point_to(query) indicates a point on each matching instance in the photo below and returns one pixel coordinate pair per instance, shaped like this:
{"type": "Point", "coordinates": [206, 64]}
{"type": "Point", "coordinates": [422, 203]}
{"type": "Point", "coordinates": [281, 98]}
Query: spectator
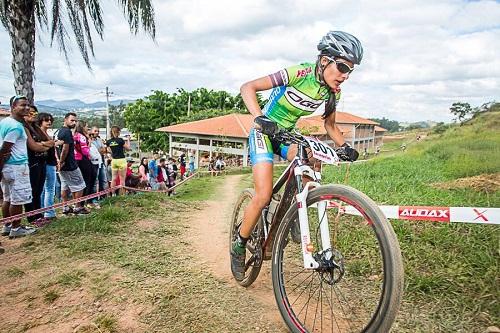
{"type": "Point", "coordinates": [220, 164]}
{"type": "Point", "coordinates": [131, 179]}
{"type": "Point", "coordinates": [162, 175]}
{"type": "Point", "coordinates": [71, 177]}
{"type": "Point", "coordinates": [211, 166]}
{"type": "Point", "coordinates": [144, 172]}
{"type": "Point", "coordinates": [171, 173]}
{"type": "Point", "coordinates": [117, 147]}
{"type": "Point", "coordinates": [108, 170]}
{"type": "Point", "coordinates": [38, 143]}
{"type": "Point", "coordinates": [82, 157]}
{"type": "Point", "coordinates": [153, 173]}
{"type": "Point", "coordinates": [96, 161]}
{"type": "Point", "coordinates": [192, 158]}
{"type": "Point", "coordinates": [45, 121]}
{"type": "Point", "coordinates": [14, 169]}
{"type": "Point", "coordinates": [182, 161]}
{"type": "Point", "coordinates": [102, 180]}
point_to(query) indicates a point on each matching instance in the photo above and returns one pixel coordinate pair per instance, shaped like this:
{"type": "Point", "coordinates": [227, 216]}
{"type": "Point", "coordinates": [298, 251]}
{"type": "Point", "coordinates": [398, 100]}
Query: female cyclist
{"type": "Point", "coordinates": [297, 91]}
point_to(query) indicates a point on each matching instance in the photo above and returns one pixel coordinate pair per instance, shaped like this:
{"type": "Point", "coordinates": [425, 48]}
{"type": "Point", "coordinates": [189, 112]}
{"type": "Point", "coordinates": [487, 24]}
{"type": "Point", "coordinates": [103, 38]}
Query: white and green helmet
{"type": "Point", "coordinates": [341, 44]}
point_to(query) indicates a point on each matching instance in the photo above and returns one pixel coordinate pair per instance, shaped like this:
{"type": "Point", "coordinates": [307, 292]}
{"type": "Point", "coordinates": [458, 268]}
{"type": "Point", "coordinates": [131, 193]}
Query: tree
{"type": "Point", "coordinates": [460, 110]}
{"type": "Point", "coordinates": [19, 18]}
{"type": "Point", "coordinates": [390, 125]}
{"type": "Point", "coordinates": [161, 109]}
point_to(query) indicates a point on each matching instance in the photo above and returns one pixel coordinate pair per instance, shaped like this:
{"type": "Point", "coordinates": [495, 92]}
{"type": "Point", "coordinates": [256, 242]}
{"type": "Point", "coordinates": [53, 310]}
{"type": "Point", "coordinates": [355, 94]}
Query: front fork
{"type": "Point", "coordinates": [305, 235]}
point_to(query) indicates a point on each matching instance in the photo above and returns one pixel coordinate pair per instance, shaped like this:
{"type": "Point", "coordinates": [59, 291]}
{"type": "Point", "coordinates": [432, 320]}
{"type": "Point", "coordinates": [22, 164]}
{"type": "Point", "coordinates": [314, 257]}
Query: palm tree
{"type": "Point", "coordinates": [19, 18]}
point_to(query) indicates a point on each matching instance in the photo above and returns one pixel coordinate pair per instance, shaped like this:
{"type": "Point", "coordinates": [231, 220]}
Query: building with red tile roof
{"type": "Point", "coordinates": [229, 134]}
{"type": "Point", "coordinates": [4, 112]}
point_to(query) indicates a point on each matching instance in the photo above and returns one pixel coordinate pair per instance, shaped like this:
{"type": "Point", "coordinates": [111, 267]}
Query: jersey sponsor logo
{"type": "Point", "coordinates": [260, 144]}
{"type": "Point", "coordinates": [302, 101]}
{"type": "Point", "coordinates": [441, 214]}
{"type": "Point", "coordinates": [276, 94]}
{"type": "Point", "coordinates": [304, 72]}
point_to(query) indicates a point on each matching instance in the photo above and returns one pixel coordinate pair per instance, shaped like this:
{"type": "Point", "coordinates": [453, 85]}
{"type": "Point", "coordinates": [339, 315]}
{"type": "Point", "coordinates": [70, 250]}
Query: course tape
{"type": "Point", "coordinates": [476, 215]}
{"type": "Point", "coordinates": [87, 197]}
{"type": "Point", "coordinates": [58, 205]}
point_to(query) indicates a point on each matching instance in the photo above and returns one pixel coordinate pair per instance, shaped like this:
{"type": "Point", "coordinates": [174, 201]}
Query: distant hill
{"type": "Point", "coordinates": [61, 107]}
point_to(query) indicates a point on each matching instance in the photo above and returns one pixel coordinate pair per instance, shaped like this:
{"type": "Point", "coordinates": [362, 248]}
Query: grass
{"type": "Point", "coordinates": [134, 253]}
{"type": "Point", "coordinates": [107, 258]}
{"type": "Point", "coordinates": [454, 267]}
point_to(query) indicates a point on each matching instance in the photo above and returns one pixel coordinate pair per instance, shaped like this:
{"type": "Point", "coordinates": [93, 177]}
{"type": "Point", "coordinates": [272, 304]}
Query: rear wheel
{"type": "Point", "coordinates": [253, 261]}
{"type": "Point", "coordinates": [358, 285]}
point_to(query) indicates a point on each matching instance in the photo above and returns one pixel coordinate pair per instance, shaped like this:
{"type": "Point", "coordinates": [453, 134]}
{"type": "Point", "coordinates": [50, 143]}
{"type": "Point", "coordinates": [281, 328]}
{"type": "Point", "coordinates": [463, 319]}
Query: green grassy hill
{"type": "Point", "coordinates": [452, 270]}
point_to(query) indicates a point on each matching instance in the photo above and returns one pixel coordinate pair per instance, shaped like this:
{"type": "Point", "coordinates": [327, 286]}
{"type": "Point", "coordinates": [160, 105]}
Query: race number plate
{"type": "Point", "coordinates": [321, 151]}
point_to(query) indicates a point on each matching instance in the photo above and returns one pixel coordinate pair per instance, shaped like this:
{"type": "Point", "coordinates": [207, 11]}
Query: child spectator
{"type": "Point", "coordinates": [131, 180]}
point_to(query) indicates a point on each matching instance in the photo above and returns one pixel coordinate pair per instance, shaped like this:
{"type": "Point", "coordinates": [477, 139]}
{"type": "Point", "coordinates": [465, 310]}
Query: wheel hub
{"type": "Point", "coordinates": [331, 266]}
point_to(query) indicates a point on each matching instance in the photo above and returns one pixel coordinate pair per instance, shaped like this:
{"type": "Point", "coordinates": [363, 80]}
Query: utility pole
{"type": "Point", "coordinates": [108, 127]}
{"type": "Point", "coordinates": [189, 104]}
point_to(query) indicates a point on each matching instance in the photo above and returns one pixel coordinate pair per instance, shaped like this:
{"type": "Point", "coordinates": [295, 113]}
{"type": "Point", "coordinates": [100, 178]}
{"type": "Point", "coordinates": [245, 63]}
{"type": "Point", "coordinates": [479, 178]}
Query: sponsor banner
{"type": "Point", "coordinates": [439, 214]}
{"type": "Point", "coordinates": [478, 215]}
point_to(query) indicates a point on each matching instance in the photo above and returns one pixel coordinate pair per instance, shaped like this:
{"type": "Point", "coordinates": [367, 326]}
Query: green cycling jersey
{"type": "Point", "coordinates": [296, 93]}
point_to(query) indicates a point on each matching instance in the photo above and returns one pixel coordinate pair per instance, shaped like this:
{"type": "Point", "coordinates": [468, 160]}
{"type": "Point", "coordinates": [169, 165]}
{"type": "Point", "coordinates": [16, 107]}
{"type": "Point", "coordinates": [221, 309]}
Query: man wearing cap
{"type": "Point", "coordinates": [14, 169]}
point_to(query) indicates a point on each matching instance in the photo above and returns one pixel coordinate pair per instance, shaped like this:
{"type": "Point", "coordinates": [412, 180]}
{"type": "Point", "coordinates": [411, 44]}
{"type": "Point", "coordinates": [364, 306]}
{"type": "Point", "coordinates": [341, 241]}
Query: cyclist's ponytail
{"type": "Point", "coordinates": [330, 106]}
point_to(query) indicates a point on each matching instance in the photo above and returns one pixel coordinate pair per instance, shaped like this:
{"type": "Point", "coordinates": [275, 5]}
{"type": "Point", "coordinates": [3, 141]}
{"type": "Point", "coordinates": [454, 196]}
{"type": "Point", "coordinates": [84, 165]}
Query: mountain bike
{"type": "Point", "coordinates": [336, 262]}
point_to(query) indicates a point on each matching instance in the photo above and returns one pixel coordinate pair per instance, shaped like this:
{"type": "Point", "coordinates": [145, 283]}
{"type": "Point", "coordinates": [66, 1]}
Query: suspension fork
{"type": "Point", "coordinates": [305, 234]}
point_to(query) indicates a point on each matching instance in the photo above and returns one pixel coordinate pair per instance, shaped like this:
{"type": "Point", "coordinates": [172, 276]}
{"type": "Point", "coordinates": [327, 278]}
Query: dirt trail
{"type": "Point", "coordinates": [210, 236]}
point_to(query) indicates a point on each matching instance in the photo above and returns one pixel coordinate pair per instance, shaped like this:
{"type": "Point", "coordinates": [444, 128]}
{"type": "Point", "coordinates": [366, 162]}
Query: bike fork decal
{"type": "Point", "coordinates": [305, 236]}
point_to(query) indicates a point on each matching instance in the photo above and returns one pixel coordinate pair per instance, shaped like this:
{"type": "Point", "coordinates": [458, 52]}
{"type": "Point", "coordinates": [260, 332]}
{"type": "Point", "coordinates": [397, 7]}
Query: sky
{"type": "Point", "coordinates": [419, 56]}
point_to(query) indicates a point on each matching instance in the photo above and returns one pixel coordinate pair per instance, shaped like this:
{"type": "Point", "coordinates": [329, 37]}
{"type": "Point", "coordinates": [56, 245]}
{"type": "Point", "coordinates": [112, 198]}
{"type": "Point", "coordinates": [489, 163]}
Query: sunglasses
{"type": "Point", "coordinates": [342, 67]}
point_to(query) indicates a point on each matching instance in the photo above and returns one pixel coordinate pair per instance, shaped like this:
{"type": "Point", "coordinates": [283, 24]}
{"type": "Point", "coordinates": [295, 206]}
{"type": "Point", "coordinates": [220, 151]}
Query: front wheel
{"type": "Point", "coordinates": [358, 284]}
{"type": "Point", "coordinates": [253, 261]}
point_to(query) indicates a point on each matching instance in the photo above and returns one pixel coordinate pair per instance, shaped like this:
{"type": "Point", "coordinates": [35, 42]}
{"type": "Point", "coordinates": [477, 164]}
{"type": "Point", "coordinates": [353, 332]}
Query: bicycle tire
{"type": "Point", "coordinates": [390, 283]}
{"type": "Point", "coordinates": [254, 242]}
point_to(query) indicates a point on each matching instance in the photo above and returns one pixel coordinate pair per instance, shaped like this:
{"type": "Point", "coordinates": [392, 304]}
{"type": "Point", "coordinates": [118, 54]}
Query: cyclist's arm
{"type": "Point", "coordinates": [249, 93]}
{"type": "Point", "coordinates": [333, 130]}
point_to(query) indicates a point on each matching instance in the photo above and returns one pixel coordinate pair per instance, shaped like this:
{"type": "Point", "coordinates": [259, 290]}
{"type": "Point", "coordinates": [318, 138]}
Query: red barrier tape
{"type": "Point", "coordinates": [58, 205]}
{"type": "Point", "coordinates": [87, 197]}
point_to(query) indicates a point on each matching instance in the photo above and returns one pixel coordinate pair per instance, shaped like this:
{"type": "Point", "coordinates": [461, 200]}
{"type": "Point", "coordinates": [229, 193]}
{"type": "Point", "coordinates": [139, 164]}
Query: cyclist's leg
{"type": "Point", "coordinates": [261, 155]}
{"type": "Point", "coordinates": [263, 183]}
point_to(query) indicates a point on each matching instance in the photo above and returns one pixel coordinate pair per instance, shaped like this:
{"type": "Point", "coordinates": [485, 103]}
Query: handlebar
{"type": "Point", "coordinates": [289, 137]}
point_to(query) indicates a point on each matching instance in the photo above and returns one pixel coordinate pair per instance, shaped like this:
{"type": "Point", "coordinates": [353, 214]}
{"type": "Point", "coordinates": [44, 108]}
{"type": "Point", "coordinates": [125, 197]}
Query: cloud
{"type": "Point", "coordinates": [420, 56]}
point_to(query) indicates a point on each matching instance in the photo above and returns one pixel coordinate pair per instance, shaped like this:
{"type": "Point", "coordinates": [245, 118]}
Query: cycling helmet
{"type": "Point", "coordinates": [343, 45]}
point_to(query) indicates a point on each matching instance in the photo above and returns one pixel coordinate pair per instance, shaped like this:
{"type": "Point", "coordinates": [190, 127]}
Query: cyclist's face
{"type": "Point", "coordinates": [332, 76]}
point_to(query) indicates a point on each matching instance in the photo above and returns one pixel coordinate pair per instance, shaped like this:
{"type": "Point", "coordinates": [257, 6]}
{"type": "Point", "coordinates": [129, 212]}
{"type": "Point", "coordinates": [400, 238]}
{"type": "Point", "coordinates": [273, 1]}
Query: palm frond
{"type": "Point", "coordinates": [95, 12]}
{"type": "Point", "coordinates": [139, 14]}
{"type": "Point", "coordinates": [78, 30]}
{"type": "Point", "coordinates": [4, 9]}
{"type": "Point", "coordinates": [41, 14]}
